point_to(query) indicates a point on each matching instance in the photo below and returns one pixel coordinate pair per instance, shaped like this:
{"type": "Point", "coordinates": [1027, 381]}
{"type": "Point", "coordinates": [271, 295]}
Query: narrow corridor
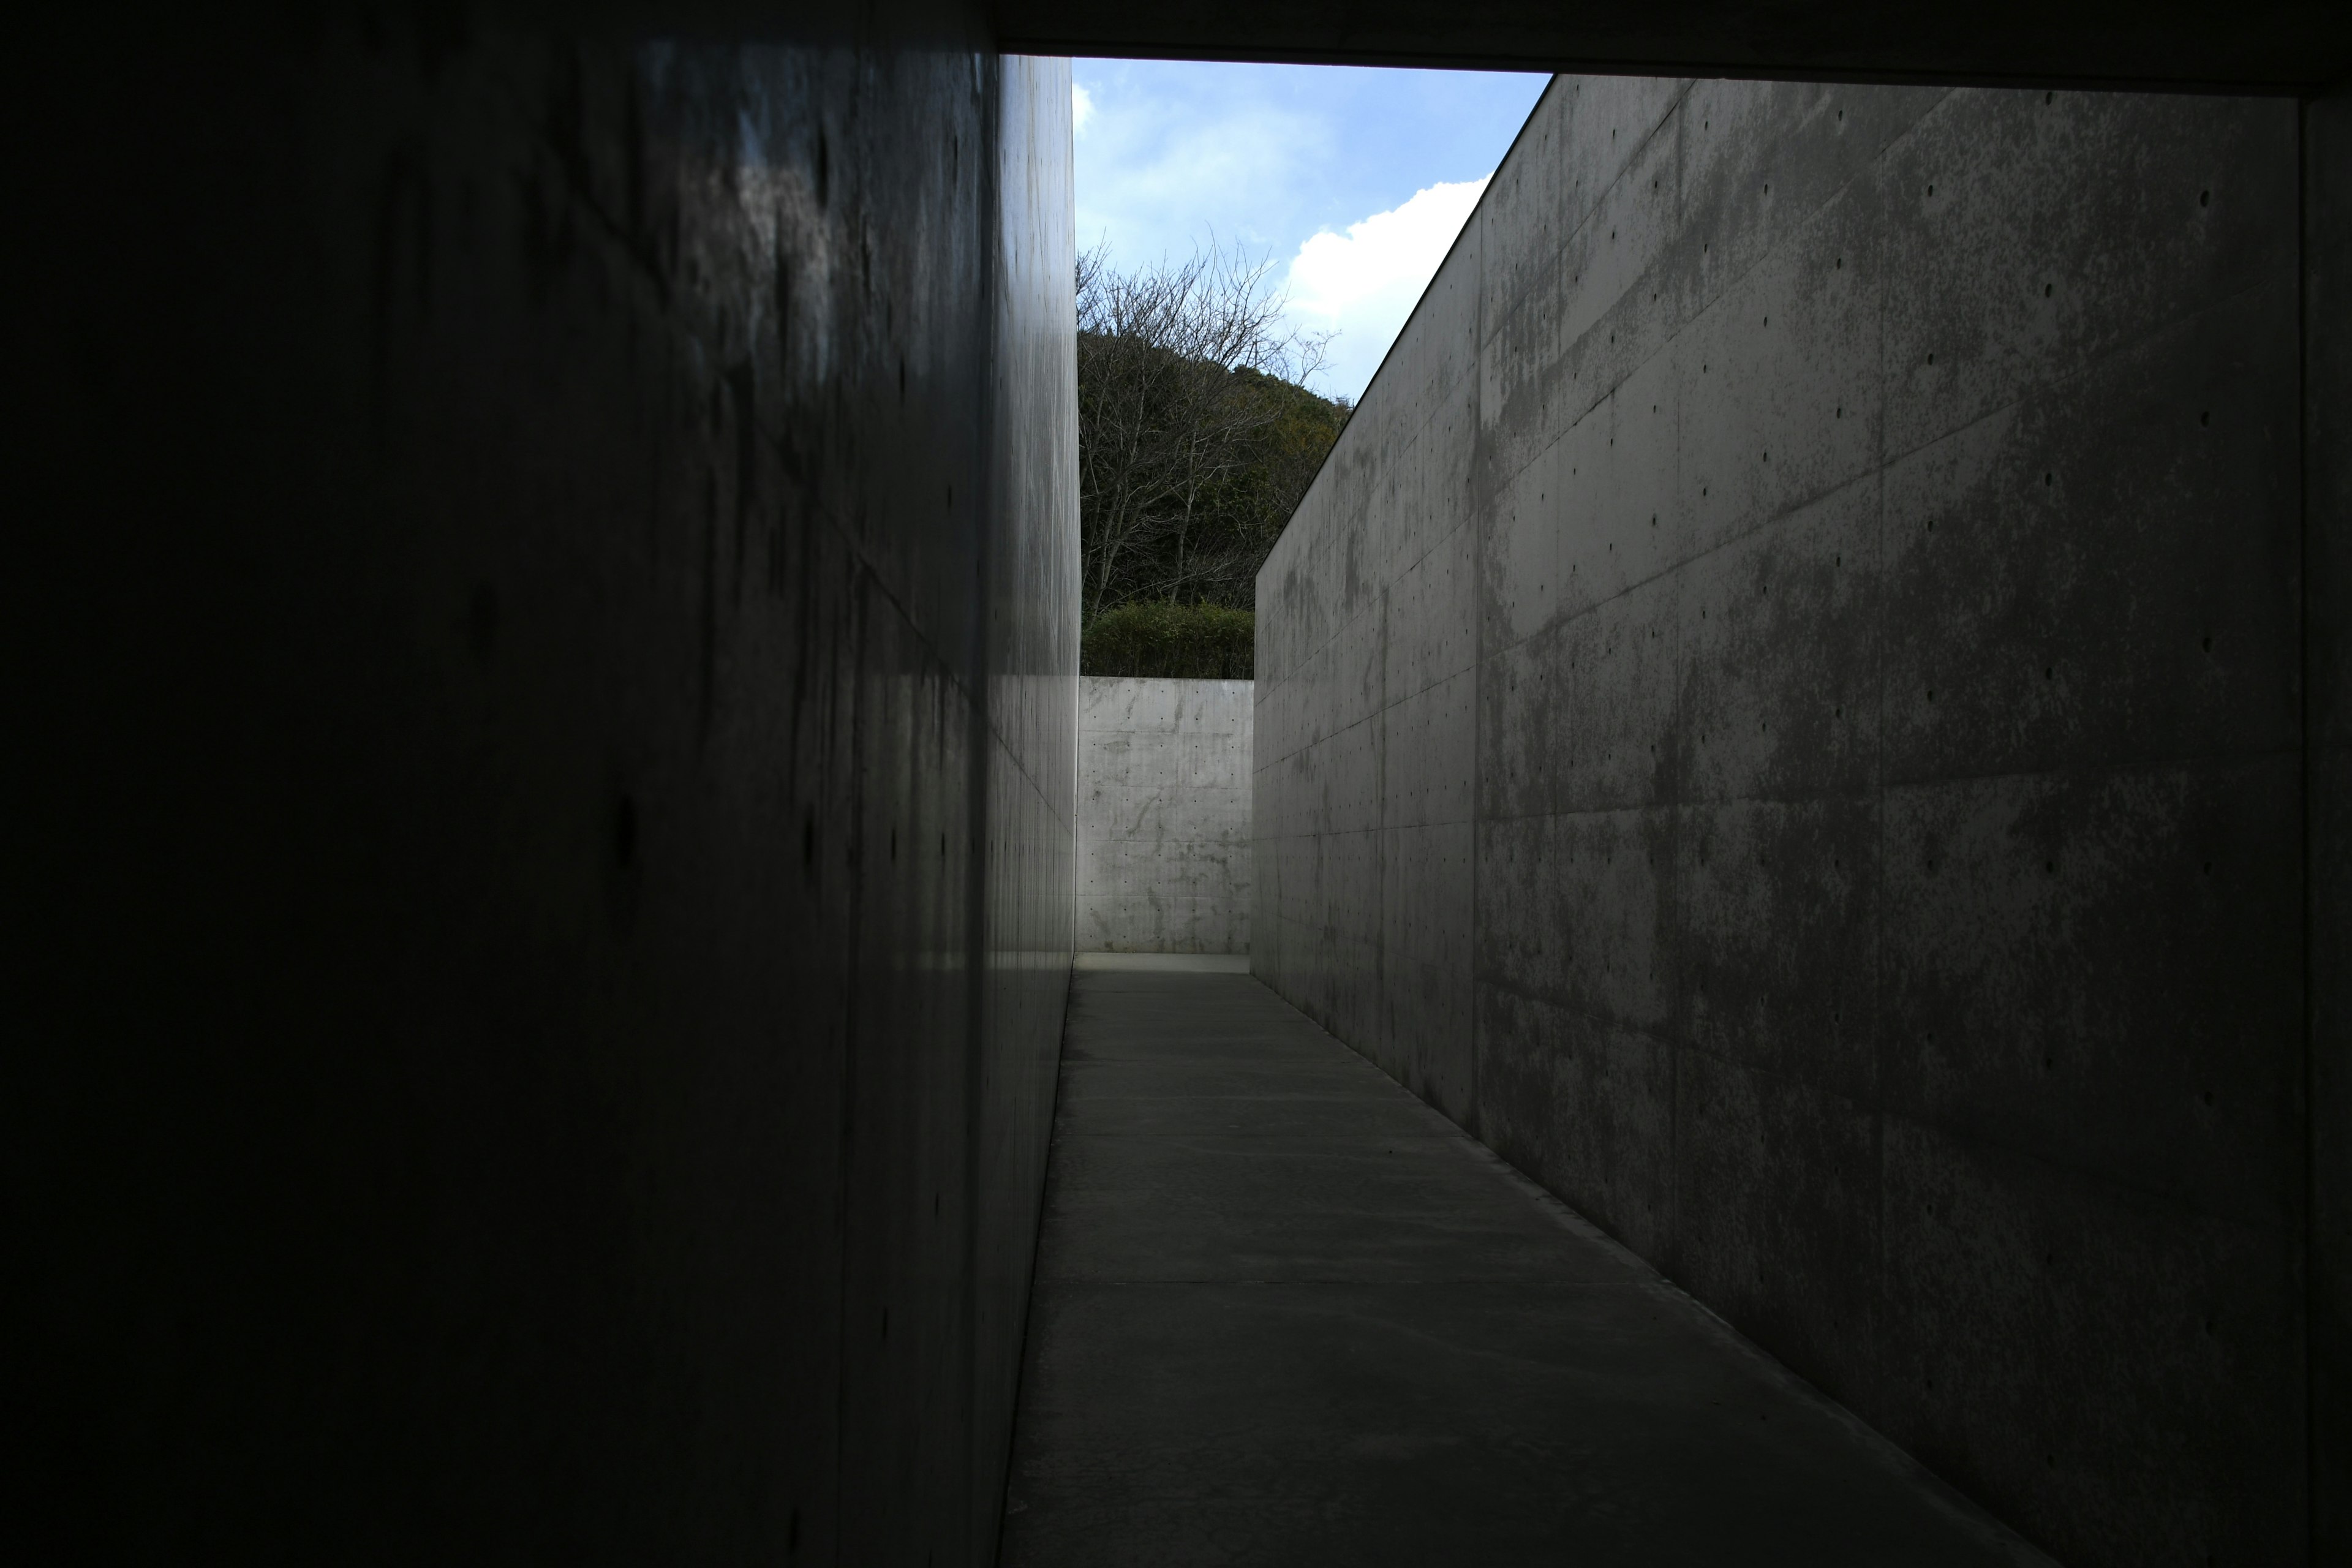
{"type": "Point", "coordinates": [1286, 1313]}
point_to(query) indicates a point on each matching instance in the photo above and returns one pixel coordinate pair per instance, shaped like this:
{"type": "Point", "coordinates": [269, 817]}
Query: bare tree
{"type": "Point", "coordinates": [1186, 373]}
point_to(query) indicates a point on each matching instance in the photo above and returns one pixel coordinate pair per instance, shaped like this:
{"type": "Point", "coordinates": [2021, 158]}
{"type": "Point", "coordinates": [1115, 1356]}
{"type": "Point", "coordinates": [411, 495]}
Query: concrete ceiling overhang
{"type": "Point", "coordinates": [2264, 45]}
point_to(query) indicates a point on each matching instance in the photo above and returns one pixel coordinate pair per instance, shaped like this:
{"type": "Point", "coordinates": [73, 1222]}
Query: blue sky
{"type": "Point", "coordinates": [1353, 182]}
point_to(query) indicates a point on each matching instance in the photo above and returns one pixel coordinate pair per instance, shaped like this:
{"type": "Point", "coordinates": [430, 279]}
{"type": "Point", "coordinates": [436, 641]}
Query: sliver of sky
{"type": "Point", "coordinates": [1353, 182]}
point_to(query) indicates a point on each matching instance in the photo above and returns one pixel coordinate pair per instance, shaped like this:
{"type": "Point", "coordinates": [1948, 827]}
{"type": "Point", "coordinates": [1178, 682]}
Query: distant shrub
{"type": "Point", "coordinates": [1171, 642]}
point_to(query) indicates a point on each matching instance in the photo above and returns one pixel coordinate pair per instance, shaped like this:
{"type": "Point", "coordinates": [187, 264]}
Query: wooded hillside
{"type": "Point", "coordinates": [1195, 442]}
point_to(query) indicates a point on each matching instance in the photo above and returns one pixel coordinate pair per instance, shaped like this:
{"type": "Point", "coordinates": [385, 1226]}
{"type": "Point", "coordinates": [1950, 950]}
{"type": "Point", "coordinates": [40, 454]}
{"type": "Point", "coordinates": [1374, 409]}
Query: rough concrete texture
{"type": "Point", "coordinates": [1164, 816]}
{"type": "Point", "coordinates": [539, 786]}
{"type": "Point", "coordinates": [1286, 1314]}
{"type": "Point", "coordinates": [1163, 962]}
{"type": "Point", "coordinates": [1783, 715]}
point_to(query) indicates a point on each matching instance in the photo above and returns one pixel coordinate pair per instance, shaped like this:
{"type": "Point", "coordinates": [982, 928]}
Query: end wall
{"type": "Point", "coordinates": [1164, 852]}
{"type": "Point", "coordinates": [543, 635]}
{"type": "Point", "coordinates": [1782, 714]}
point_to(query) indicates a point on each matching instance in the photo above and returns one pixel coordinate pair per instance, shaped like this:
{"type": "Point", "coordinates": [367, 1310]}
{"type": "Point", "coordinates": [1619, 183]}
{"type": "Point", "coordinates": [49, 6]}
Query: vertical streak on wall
{"type": "Point", "coordinates": [1164, 851]}
{"type": "Point", "coordinates": [540, 826]}
{"type": "Point", "coordinates": [1877, 523]}
{"type": "Point", "coordinates": [1032, 787]}
{"type": "Point", "coordinates": [2328, 588]}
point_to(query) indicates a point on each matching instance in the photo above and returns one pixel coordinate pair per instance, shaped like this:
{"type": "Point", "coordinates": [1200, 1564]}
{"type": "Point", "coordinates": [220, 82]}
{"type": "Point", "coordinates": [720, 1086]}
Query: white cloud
{"type": "Point", "coordinates": [1364, 283]}
{"type": "Point", "coordinates": [1082, 108]}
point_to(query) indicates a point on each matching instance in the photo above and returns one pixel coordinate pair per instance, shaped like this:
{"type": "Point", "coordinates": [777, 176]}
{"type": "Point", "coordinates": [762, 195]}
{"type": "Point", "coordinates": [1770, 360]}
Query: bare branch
{"type": "Point", "coordinates": [1192, 428]}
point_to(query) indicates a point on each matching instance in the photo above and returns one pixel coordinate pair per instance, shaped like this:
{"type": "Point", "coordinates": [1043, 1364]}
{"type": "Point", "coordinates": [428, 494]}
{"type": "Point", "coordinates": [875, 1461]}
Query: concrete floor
{"type": "Point", "coordinates": [1286, 1313]}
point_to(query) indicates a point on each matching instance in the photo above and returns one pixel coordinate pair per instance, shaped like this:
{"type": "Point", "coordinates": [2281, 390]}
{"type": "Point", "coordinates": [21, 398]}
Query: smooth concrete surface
{"type": "Point", "coordinates": [1164, 850]}
{"type": "Point", "coordinates": [1784, 715]}
{"type": "Point", "coordinates": [541, 629]}
{"type": "Point", "coordinates": [1288, 1314]}
{"type": "Point", "coordinates": [2328, 795]}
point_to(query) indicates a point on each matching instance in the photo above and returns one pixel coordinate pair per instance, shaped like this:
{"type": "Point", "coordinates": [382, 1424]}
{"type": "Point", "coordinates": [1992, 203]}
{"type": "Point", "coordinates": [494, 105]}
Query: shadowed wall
{"type": "Point", "coordinates": [544, 644]}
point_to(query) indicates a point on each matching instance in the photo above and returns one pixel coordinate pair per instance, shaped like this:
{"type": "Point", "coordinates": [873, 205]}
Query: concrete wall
{"type": "Point", "coordinates": [1784, 715]}
{"type": "Point", "coordinates": [1164, 826]}
{"type": "Point", "coordinates": [2327, 673]}
{"type": "Point", "coordinates": [542, 632]}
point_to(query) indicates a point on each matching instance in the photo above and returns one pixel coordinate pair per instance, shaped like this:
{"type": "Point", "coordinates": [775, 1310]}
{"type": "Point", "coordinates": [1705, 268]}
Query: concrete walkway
{"type": "Point", "coordinates": [1288, 1314]}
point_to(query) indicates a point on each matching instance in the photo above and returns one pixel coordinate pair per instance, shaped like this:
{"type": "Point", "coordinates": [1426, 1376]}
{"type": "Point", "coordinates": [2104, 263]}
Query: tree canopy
{"type": "Point", "coordinates": [1196, 438]}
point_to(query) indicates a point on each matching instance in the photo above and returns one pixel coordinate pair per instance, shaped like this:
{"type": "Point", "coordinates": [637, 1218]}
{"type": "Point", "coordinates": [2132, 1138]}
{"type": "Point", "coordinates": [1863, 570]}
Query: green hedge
{"type": "Point", "coordinates": [1173, 642]}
